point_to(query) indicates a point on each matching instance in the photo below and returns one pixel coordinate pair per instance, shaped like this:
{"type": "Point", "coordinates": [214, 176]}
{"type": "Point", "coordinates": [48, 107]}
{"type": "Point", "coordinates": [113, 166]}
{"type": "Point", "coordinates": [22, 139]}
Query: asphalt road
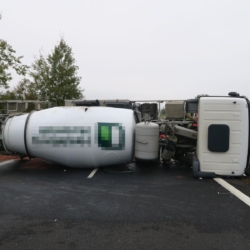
{"type": "Point", "coordinates": [45, 206]}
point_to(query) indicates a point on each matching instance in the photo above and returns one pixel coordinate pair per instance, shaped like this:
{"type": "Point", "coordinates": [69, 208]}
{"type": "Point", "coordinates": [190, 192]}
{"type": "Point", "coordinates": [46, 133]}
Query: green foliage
{"type": "Point", "coordinates": [52, 78]}
{"type": "Point", "coordinates": [8, 60]}
{"type": "Point", "coordinates": [163, 113]}
{"type": "Point", "coordinates": [40, 77]}
{"type": "Point", "coordinates": [25, 90]}
{"type": "Point", "coordinates": [8, 95]}
{"type": "Point", "coordinates": [55, 77]}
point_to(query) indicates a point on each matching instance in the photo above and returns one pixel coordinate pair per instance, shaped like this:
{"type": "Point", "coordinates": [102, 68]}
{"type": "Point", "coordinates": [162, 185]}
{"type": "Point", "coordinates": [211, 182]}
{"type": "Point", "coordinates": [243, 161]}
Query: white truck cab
{"type": "Point", "coordinates": [223, 136]}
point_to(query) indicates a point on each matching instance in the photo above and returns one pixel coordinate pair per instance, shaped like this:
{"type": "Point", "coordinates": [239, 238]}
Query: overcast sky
{"type": "Point", "coordinates": [139, 49]}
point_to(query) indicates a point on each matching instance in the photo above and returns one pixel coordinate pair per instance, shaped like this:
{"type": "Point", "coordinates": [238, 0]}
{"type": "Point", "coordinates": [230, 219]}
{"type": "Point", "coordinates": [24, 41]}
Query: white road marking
{"type": "Point", "coordinates": [233, 190]}
{"type": "Point", "coordinates": [7, 162]}
{"type": "Point", "coordinates": [92, 173]}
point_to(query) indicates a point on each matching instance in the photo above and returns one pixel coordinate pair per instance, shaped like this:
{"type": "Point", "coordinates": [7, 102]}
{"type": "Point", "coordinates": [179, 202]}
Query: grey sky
{"type": "Point", "coordinates": [139, 49]}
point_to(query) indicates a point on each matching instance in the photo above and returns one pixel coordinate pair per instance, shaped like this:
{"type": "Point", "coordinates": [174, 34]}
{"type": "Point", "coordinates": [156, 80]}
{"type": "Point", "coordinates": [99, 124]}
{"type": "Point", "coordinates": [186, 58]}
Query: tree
{"type": "Point", "coordinates": [55, 77]}
{"type": "Point", "coordinates": [25, 90]}
{"type": "Point", "coordinates": [8, 60]}
{"type": "Point", "coordinates": [163, 113]}
{"type": "Point", "coordinates": [8, 95]}
{"type": "Point", "coordinates": [40, 78]}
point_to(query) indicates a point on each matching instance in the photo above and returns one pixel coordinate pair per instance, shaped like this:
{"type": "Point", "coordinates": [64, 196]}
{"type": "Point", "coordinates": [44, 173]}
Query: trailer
{"type": "Point", "coordinates": [99, 133]}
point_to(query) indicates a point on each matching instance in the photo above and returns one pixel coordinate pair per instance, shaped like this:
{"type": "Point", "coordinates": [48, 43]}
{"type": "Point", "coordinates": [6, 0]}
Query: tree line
{"type": "Point", "coordinates": [52, 78]}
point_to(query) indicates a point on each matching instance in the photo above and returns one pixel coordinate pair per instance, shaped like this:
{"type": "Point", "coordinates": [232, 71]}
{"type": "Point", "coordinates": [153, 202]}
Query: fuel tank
{"type": "Point", "coordinates": [146, 141]}
{"type": "Point", "coordinates": [80, 137]}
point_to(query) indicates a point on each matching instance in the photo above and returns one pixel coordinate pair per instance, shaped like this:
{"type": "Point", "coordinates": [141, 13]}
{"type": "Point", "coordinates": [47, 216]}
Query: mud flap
{"type": "Point", "coordinates": [196, 170]}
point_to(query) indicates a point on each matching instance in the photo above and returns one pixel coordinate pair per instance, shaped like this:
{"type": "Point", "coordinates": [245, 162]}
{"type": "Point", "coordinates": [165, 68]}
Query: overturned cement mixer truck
{"type": "Point", "coordinates": [102, 133]}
